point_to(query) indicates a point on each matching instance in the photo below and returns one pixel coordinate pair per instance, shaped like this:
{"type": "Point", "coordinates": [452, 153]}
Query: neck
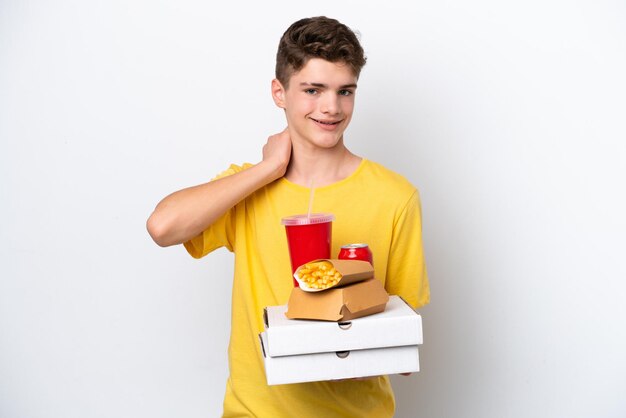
{"type": "Point", "coordinates": [320, 166]}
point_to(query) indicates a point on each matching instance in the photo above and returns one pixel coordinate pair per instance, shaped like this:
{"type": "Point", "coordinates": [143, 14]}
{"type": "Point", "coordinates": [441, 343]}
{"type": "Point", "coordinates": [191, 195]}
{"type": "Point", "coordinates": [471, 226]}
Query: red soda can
{"type": "Point", "coordinates": [356, 252]}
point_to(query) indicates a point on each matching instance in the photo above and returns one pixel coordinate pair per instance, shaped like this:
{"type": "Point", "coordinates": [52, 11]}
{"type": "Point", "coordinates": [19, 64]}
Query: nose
{"type": "Point", "coordinates": [330, 104]}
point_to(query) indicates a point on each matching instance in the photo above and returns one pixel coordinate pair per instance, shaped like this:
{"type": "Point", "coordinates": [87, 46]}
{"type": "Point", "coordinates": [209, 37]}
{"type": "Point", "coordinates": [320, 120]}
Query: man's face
{"type": "Point", "coordinates": [318, 103]}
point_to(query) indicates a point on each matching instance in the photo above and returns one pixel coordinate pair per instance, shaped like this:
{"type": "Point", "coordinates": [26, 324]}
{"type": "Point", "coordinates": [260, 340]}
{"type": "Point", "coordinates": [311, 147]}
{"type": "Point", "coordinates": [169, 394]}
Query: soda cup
{"type": "Point", "coordinates": [308, 238]}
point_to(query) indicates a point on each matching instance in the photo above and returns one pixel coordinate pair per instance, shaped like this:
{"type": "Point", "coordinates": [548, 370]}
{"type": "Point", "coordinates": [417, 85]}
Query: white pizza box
{"type": "Point", "coordinates": [397, 325]}
{"type": "Point", "coordinates": [338, 365]}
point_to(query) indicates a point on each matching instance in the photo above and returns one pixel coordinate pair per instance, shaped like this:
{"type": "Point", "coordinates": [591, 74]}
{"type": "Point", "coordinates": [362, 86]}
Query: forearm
{"type": "Point", "coordinates": [186, 213]}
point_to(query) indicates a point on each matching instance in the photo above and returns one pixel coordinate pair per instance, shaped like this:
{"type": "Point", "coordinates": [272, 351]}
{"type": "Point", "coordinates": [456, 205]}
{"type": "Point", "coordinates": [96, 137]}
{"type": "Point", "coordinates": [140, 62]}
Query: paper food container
{"type": "Point", "coordinates": [397, 325]}
{"type": "Point", "coordinates": [352, 271]}
{"type": "Point", "coordinates": [340, 303]}
{"type": "Point", "coordinates": [305, 351]}
{"type": "Point", "coordinates": [338, 365]}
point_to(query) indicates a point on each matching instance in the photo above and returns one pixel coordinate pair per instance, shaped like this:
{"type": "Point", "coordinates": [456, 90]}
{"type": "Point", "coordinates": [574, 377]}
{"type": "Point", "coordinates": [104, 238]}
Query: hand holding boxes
{"type": "Point", "coordinates": [299, 343]}
{"type": "Point", "coordinates": [372, 333]}
{"type": "Point", "coordinates": [305, 350]}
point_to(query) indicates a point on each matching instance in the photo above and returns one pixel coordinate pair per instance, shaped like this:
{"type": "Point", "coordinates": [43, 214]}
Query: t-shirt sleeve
{"type": "Point", "coordinates": [406, 268]}
{"type": "Point", "coordinates": [222, 232]}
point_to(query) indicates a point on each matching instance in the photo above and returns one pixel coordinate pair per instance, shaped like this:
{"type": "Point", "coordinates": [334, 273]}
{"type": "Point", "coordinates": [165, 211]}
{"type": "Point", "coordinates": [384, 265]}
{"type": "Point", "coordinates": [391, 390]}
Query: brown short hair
{"type": "Point", "coordinates": [317, 37]}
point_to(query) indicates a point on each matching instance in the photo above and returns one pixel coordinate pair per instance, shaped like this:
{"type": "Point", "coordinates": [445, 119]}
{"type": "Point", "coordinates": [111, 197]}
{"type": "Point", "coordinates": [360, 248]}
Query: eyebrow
{"type": "Point", "coordinates": [325, 86]}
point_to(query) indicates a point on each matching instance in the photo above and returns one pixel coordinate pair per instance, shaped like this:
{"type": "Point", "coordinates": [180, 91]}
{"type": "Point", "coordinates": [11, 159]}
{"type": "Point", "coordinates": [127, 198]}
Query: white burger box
{"type": "Point", "coordinates": [297, 351]}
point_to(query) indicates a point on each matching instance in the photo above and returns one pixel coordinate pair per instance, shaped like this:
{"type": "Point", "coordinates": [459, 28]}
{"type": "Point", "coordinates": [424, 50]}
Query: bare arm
{"type": "Point", "coordinates": [186, 213]}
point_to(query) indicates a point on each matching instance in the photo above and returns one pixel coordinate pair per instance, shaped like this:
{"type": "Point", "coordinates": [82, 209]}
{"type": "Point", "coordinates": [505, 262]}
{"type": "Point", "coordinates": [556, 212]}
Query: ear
{"type": "Point", "coordinates": [278, 93]}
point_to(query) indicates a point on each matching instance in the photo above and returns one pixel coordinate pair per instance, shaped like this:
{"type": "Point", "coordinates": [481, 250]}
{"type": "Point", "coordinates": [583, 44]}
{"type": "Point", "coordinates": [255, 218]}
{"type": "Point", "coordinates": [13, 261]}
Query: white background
{"type": "Point", "coordinates": [508, 116]}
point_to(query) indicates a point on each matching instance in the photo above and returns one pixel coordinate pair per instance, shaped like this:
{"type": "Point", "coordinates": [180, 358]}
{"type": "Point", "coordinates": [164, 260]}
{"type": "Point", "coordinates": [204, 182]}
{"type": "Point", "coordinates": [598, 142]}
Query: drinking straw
{"type": "Point", "coordinates": [308, 216]}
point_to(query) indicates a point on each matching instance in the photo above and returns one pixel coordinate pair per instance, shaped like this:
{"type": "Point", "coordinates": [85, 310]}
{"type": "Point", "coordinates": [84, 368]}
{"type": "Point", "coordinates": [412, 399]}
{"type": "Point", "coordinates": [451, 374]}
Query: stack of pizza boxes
{"type": "Point", "coordinates": [345, 328]}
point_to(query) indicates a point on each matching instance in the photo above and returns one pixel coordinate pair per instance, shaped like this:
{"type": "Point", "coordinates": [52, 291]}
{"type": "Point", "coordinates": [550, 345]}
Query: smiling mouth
{"type": "Point", "coordinates": [326, 122]}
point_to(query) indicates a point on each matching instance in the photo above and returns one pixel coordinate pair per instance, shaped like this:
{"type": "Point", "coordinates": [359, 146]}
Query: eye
{"type": "Point", "coordinates": [345, 92]}
{"type": "Point", "coordinates": [310, 91]}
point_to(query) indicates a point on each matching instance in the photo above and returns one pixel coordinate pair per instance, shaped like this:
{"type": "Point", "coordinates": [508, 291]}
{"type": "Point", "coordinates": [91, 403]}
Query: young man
{"type": "Point", "coordinates": [318, 64]}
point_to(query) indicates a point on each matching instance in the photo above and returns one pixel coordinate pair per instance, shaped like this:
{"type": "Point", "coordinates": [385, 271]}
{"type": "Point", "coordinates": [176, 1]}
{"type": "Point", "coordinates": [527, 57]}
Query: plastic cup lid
{"type": "Point", "coordinates": [315, 218]}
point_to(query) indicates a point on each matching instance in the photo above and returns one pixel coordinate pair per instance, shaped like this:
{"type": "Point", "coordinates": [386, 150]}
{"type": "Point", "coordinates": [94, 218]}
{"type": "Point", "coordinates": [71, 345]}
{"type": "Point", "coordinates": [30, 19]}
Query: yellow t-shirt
{"type": "Point", "coordinates": [373, 205]}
